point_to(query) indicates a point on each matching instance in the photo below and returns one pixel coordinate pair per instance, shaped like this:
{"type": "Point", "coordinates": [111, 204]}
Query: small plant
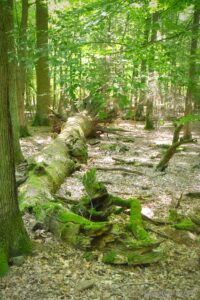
{"type": "Point", "coordinates": [92, 186]}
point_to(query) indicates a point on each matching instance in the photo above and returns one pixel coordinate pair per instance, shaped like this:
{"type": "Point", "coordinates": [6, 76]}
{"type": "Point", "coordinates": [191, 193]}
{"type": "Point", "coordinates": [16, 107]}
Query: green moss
{"type": "Point", "coordinates": [88, 227]}
{"type": "Point", "coordinates": [117, 229]}
{"type": "Point", "coordinates": [67, 216]}
{"type": "Point", "coordinates": [58, 170]}
{"type": "Point", "coordinates": [109, 147]}
{"type": "Point", "coordinates": [186, 224]}
{"type": "Point", "coordinates": [39, 213]}
{"type": "Point", "coordinates": [82, 241]}
{"type": "Point", "coordinates": [24, 246]}
{"type": "Point", "coordinates": [173, 215]}
{"type": "Point", "coordinates": [132, 258]}
{"type": "Point", "coordinates": [90, 256]}
{"type": "Point", "coordinates": [140, 244]}
{"type": "Point", "coordinates": [3, 263]}
{"type": "Point", "coordinates": [70, 232]}
{"type": "Point", "coordinates": [148, 258]}
{"type": "Point", "coordinates": [136, 224]}
{"type": "Point", "coordinates": [120, 202]}
{"type": "Point", "coordinates": [35, 181]}
{"type": "Point", "coordinates": [92, 186]}
{"type": "Point", "coordinates": [80, 151]}
{"type": "Point", "coordinates": [109, 257]}
{"type": "Point", "coordinates": [93, 227]}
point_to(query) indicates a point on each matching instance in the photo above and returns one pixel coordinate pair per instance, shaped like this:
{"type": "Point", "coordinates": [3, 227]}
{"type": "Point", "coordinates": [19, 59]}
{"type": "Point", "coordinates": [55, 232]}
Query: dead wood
{"type": "Point", "coordinates": [132, 162]}
{"type": "Point", "coordinates": [104, 129]}
{"type": "Point", "coordinates": [163, 164]}
{"type": "Point", "coordinates": [176, 133]}
{"type": "Point", "coordinates": [157, 222]}
{"type": "Point", "coordinates": [121, 169]}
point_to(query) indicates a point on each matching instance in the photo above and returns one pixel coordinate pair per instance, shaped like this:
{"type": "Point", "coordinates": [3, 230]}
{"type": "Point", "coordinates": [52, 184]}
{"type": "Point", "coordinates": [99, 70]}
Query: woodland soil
{"type": "Point", "coordinates": [57, 271]}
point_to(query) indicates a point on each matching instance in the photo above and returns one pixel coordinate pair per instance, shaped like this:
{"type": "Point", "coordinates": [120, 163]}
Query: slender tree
{"type": "Point", "coordinates": [12, 86]}
{"type": "Point", "coordinates": [149, 110]}
{"type": "Point", "coordinates": [143, 70]}
{"type": "Point", "coordinates": [192, 74]}
{"type": "Point", "coordinates": [13, 237]}
{"type": "Point", "coordinates": [42, 68]}
{"type": "Point", "coordinates": [21, 68]}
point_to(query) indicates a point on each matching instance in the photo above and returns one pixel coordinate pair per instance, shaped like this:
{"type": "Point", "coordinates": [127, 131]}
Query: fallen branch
{"type": "Point", "coordinates": [121, 169]}
{"type": "Point", "coordinates": [104, 129]}
{"type": "Point", "coordinates": [179, 201]}
{"type": "Point", "coordinates": [163, 164]}
{"type": "Point", "coordinates": [133, 162]}
{"type": "Point", "coordinates": [125, 139]}
{"type": "Point", "coordinates": [157, 222]}
{"type": "Point", "coordinates": [195, 195]}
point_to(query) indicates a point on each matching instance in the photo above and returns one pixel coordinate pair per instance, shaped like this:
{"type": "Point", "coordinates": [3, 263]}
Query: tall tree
{"type": "Point", "coordinates": [12, 87]}
{"type": "Point", "coordinates": [42, 68]}
{"type": "Point", "coordinates": [13, 237]}
{"type": "Point", "coordinates": [192, 74]}
{"type": "Point", "coordinates": [149, 109]}
{"type": "Point", "coordinates": [21, 68]}
{"type": "Point", "coordinates": [143, 70]}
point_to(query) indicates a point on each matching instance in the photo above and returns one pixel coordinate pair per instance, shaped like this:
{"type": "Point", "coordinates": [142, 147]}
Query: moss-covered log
{"type": "Point", "coordinates": [47, 171]}
{"type": "Point", "coordinates": [124, 243]}
{"type": "Point", "coordinates": [87, 225]}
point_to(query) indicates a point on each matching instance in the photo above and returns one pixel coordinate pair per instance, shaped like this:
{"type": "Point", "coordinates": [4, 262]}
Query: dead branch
{"type": "Point", "coordinates": [112, 130]}
{"type": "Point", "coordinates": [163, 164]}
{"type": "Point", "coordinates": [125, 170]}
{"type": "Point", "coordinates": [132, 162]}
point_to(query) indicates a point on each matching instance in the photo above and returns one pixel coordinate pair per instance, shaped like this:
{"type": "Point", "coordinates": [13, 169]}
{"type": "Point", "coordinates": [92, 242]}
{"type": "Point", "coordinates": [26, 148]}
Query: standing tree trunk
{"type": "Point", "coordinates": [143, 71]}
{"type": "Point", "coordinates": [149, 110]}
{"type": "Point", "coordinates": [13, 237]}
{"type": "Point", "coordinates": [42, 68]}
{"type": "Point", "coordinates": [21, 69]}
{"type": "Point", "coordinates": [12, 87]}
{"type": "Point", "coordinates": [192, 82]}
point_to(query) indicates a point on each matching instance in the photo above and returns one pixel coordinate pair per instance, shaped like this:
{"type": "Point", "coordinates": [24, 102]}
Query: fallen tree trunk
{"type": "Point", "coordinates": [86, 225]}
{"type": "Point", "coordinates": [47, 171]}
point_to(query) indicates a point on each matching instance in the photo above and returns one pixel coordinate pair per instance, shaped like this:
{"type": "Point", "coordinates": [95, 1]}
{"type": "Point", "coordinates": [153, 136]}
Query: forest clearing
{"type": "Point", "coordinates": [99, 153]}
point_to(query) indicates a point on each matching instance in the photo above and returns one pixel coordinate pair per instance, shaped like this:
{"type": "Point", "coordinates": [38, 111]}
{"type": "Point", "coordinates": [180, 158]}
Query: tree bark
{"type": "Point", "coordinates": [42, 68]}
{"type": "Point", "coordinates": [50, 167]}
{"type": "Point", "coordinates": [163, 164]}
{"type": "Point", "coordinates": [21, 70]}
{"type": "Point", "coordinates": [149, 125]}
{"type": "Point", "coordinates": [13, 237]}
{"type": "Point", "coordinates": [12, 86]}
{"type": "Point", "coordinates": [143, 71]}
{"type": "Point", "coordinates": [192, 83]}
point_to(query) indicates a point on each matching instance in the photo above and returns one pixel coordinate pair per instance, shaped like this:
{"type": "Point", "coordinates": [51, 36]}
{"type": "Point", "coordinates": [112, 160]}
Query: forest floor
{"type": "Point", "coordinates": [57, 271]}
